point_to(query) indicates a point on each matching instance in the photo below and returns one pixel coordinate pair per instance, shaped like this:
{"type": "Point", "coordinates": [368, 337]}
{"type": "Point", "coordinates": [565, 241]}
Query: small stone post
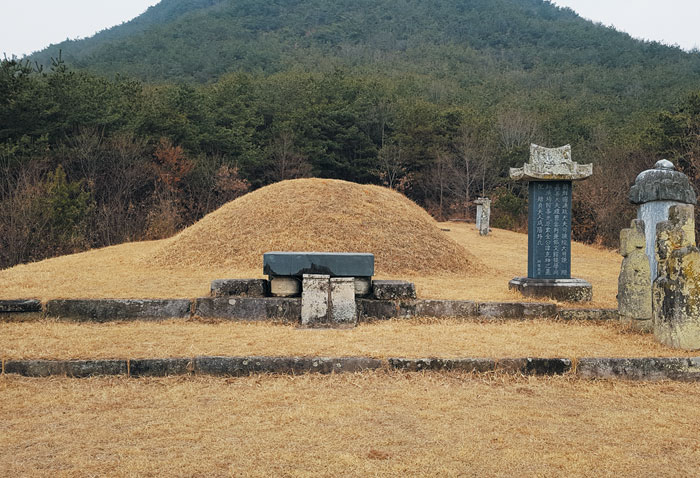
{"type": "Point", "coordinates": [550, 173]}
{"type": "Point", "coordinates": [634, 286]}
{"type": "Point", "coordinates": [676, 291]}
{"type": "Point", "coordinates": [483, 215]}
{"type": "Point", "coordinates": [656, 190]}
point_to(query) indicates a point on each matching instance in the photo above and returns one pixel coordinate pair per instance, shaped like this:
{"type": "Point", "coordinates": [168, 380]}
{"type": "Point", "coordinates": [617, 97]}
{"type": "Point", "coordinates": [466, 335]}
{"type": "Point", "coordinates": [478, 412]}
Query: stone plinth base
{"type": "Point", "coordinates": [564, 290]}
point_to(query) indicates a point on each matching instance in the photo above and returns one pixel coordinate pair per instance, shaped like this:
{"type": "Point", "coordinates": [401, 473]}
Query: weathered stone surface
{"type": "Point", "coordinates": [240, 288]}
{"type": "Point", "coordinates": [483, 215]}
{"type": "Point", "coordinates": [527, 366]}
{"type": "Point", "coordinates": [297, 264]}
{"type": "Point", "coordinates": [342, 305]}
{"type": "Point", "coordinates": [369, 309]}
{"type": "Point", "coordinates": [20, 306]}
{"type": "Point", "coordinates": [676, 291]}
{"type": "Point", "coordinates": [103, 310]}
{"type": "Point", "coordinates": [285, 287]}
{"type": "Point", "coordinates": [516, 310]}
{"type": "Point", "coordinates": [476, 365]}
{"type": "Point", "coordinates": [640, 368]}
{"type": "Point", "coordinates": [70, 368]}
{"type": "Point", "coordinates": [588, 314]}
{"type": "Point", "coordinates": [393, 290]}
{"type": "Point", "coordinates": [663, 183]}
{"type": "Point", "coordinates": [315, 298]}
{"type": "Point", "coordinates": [634, 285]}
{"type": "Point", "coordinates": [551, 164]}
{"type": "Point", "coordinates": [652, 213]}
{"type": "Point", "coordinates": [160, 367]}
{"type": "Point", "coordinates": [241, 366]}
{"type": "Point", "coordinates": [249, 308]}
{"type": "Point", "coordinates": [563, 290]}
{"type": "Point", "coordinates": [363, 286]}
{"type": "Point", "coordinates": [446, 308]}
{"type": "Point", "coordinates": [20, 310]}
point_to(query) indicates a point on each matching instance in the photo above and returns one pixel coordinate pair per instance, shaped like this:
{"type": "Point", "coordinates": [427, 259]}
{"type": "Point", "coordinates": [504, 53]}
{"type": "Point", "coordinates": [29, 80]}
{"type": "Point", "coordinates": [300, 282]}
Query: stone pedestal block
{"type": "Point", "coordinates": [342, 301]}
{"type": "Point", "coordinates": [239, 288]}
{"type": "Point", "coordinates": [393, 290]}
{"type": "Point", "coordinates": [363, 286]}
{"type": "Point", "coordinates": [563, 290]}
{"type": "Point", "coordinates": [634, 285]}
{"type": "Point", "coordinates": [285, 287]}
{"type": "Point", "coordinates": [315, 299]}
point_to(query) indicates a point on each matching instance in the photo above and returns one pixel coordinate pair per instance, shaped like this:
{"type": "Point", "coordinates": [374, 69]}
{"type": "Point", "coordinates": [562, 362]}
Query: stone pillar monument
{"type": "Point", "coordinates": [483, 215]}
{"type": "Point", "coordinates": [550, 174]}
{"type": "Point", "coordinates": [656, 190]}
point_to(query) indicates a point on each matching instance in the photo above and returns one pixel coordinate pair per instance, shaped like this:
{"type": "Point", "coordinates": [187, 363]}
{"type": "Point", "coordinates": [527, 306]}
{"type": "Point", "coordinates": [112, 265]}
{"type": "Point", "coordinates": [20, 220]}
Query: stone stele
{"type": "Point", "coordinates": [676, 291]}
{"type": "Point", "coordinates": [551, 164]}
{"type": "Point", "coordinates": [483, 215]}
{"type": "Point", "coordinates": [634, 285]}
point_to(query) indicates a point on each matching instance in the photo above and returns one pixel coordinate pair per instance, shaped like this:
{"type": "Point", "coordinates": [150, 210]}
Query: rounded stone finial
{"type": "Point", "coordinates": [663, 183]}
{"type": "Point", "coordinates": [665, 164]}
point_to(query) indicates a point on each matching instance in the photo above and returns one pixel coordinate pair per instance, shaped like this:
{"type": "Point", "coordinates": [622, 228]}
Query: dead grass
{"type": "Point", "coordinates": [416, 338]}
{"type": "Point", "coordinates": [373, 424]}
{"type": "Point", "coordinates": [319, 215]}
{"type": "Point", "coordinates": [230, 242]}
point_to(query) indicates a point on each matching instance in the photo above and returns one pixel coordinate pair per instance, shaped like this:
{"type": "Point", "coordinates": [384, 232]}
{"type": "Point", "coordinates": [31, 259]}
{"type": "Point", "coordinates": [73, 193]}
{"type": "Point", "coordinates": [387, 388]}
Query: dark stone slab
{"type": "Point", "coordinates": [477, 365]}
{"type": "Point", "coordinates": [686, 369]}
{"type": "Point", "coordinates": [527, 366]}
{"type": "Point", "coordinates": [446, 308]}
{"type": "Point", "coordinates": [240, 308]}
{"type": "Point", "coordinates": [241, 366]}
{"type": "Point", "coordinates": [368, 309]}
{"type": "Point", "coordinates": [393, 290]}
{"type": "Point", "coordinates": [70, 368]}
{"type": "Point", "coordinates": [549, 230]}
{"type": "Point", "coordinates": [104, 310]}
{"type": "Point", "coordinates": [160, 367]}
{"type": "Point", "coordinates": [297, 264]}
{"type": "Point", "coordinates": [240, 288]}
{"type": "Point", "coordinates": [20, 306]}
{"type": "Point", "coordinates": [589, 314]}
{"type": "Point", "coordinates": [563, 290]}
{"type": "Point", "coordinates": [517, 310]}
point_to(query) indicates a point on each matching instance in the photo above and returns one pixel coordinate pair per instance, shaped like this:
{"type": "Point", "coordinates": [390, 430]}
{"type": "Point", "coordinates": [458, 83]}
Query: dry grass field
{"type": "Point", "coordinates": [396, 338]}
{"type": "Point", "coordinates": [229, 243]}
{"type": "Point", "coordinates": [372, 424]}
{"type": "Point", "coordinates": [382, 423]}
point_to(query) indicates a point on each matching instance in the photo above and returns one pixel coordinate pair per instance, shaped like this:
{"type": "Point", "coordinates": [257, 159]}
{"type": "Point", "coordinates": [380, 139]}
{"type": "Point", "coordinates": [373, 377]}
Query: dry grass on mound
{"type": "Point", "coordinates": [373, 424]}
{"type": "Point", "coordinates": [319, 215]}
{"type": "Point", "coordinates": [414, 338]}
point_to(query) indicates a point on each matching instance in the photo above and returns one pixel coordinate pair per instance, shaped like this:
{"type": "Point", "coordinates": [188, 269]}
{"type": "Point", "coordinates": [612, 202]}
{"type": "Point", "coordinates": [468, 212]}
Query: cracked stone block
{"type": "Point", "coordinates": [342, 301]}
{"type": "Point", "coordinates": [315, 299]}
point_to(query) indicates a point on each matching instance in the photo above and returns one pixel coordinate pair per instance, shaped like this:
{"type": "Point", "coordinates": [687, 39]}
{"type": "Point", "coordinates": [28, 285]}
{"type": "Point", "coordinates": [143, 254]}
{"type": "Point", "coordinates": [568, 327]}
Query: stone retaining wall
{"type": "Point", "coordinates": [680, 369]}
{"type": "Point", "coordinates": [282, 309]}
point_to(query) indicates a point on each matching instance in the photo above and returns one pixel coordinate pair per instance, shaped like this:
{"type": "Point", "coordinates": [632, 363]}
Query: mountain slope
{"type": "Point", "coordinates": [462, 39]}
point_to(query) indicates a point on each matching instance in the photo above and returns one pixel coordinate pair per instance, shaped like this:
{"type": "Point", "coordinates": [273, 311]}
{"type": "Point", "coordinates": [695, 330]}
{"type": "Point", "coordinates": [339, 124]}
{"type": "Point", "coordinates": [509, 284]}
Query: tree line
{"type": "Point", "coordinates": [87, 161]}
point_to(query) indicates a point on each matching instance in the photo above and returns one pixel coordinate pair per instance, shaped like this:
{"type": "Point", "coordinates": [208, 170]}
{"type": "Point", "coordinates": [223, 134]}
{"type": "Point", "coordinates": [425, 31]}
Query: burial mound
{"type": "Point", "coordinates": [319, 215]}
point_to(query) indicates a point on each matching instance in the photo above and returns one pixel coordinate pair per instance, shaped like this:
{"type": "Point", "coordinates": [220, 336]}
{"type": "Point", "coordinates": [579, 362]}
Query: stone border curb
{"type": "Point", "coordinates": [283, 309]}
{"type": "Point", "coordinates": [103, 310]}
{"type": "Point", "coordinates": [651, 369]}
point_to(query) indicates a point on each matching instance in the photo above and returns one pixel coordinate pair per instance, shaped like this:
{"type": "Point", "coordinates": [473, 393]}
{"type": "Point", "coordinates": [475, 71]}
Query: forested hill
{"type": "Point", "coordinates": [144, 128]}
{"type": "Point", "coordinates": [466, 41]}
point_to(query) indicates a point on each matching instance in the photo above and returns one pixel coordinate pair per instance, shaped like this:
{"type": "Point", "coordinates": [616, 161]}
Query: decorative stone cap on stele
{"type": "Point", "coordinates": [551, 164]}
{"type": "Point", "coordinates": [663, 183]}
